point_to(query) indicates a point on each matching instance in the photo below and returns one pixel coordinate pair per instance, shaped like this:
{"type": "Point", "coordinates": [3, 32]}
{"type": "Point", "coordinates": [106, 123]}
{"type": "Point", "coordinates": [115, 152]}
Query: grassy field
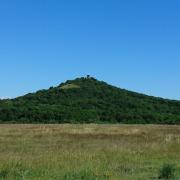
{"type": "Point", "coordinates": [87, 152]}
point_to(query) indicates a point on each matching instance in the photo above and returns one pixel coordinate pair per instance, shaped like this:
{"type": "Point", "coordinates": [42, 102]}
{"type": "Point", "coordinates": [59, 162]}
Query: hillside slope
{"type": "Point", "coordinates": [87, 100]}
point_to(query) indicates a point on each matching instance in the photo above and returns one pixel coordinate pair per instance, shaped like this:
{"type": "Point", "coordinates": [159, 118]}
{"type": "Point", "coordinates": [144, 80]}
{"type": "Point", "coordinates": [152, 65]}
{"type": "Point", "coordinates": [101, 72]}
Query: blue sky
{"type": "Point", "coordinates": [133, 44]}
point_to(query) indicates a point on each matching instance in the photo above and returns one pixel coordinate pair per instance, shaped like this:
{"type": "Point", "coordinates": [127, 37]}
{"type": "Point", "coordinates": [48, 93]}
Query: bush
{"type": "Point", "coordinates": [167, 171]}
{"type": "Point", "coordinates": [3, 173]}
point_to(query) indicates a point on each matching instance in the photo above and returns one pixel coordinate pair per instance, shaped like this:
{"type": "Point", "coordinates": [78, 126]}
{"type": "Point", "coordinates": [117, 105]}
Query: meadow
{"type": "Point", "coordinates": [88, 152]}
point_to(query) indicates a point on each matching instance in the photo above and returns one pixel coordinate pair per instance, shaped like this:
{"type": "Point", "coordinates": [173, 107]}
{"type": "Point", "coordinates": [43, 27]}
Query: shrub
{"type": "Point", "coordinates": [167, 171]}
{"type": "Point", "coordinates": [3, 173]}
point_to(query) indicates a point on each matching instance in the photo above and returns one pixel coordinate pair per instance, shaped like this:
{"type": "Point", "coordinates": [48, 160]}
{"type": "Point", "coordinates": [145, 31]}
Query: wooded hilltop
{"type": "Point", "coordinates": [87, 100]}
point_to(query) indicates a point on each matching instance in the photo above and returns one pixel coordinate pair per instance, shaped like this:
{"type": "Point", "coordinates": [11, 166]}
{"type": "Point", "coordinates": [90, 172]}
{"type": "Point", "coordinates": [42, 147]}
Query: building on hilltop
{"type": "Point", "coordinates": [88, 77]}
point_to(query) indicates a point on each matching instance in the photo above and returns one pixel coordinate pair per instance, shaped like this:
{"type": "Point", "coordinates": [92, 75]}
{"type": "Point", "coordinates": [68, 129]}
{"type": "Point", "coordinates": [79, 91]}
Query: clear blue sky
{"type": "Point", "coordinates": [133, 44]}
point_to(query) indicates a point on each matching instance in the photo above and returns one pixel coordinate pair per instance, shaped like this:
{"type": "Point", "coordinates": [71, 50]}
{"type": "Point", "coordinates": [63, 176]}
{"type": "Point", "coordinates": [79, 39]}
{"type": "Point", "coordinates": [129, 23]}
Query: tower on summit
{"type": "Point", "coordinates": [88, 77]}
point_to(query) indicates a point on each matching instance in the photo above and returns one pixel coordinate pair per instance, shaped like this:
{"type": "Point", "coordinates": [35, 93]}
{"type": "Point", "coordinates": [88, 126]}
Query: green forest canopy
{"type": "Point", "coordinates": [87, 100]}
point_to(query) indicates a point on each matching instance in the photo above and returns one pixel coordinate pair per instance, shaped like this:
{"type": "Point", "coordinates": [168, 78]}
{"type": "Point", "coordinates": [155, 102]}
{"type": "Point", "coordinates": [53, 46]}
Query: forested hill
{"type": "Point", "coordinates": [87, 100]}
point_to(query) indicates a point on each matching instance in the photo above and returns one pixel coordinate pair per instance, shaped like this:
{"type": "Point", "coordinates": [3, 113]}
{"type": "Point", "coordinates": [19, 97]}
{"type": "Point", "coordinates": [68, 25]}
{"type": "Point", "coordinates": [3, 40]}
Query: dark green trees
{"type": "Point", "coordinates": [87, 100]}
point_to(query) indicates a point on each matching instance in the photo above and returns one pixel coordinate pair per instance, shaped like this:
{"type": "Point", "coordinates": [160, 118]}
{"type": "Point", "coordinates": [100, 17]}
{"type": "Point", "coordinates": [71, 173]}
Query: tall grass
{"type": "Point", "coordinates": [88, 151]}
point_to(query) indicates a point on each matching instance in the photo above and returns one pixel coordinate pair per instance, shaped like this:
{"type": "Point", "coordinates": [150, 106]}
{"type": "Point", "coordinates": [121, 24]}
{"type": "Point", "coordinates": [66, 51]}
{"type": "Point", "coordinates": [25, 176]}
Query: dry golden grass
{"type": "Point", "coordinates": [87, 151]}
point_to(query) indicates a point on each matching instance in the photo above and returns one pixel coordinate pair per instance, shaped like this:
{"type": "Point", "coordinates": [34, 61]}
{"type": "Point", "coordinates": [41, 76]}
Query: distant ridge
{"type": "Point", "coordinates": [87, 100]}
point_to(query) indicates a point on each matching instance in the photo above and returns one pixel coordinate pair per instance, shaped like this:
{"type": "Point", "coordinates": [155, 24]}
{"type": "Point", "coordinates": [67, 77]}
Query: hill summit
{"type": "Point", "coordinates": [87, 100]}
